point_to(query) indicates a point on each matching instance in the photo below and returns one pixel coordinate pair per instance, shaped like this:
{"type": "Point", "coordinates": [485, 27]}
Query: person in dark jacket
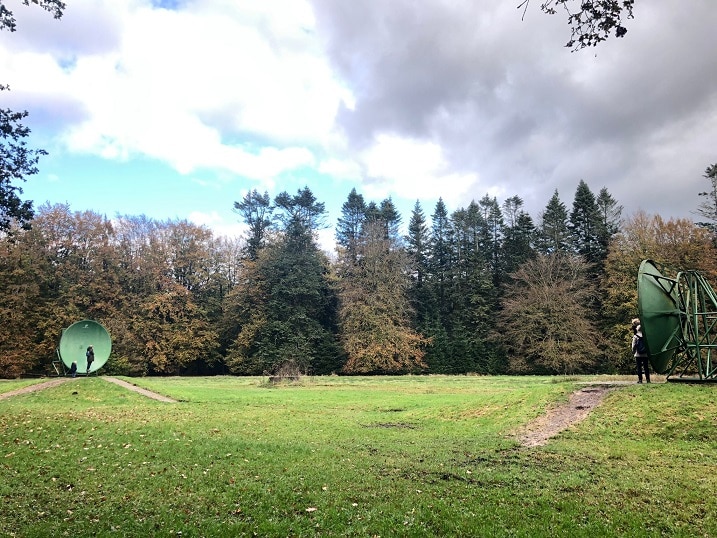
{"type": "Point", "coordinates": [639, 350]}
{"type": "Point", "coordinates": [90, 354]}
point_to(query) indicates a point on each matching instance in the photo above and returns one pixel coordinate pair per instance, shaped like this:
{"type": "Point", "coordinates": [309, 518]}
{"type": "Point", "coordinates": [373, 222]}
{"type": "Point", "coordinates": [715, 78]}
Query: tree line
{"type": "Point", "coordinates": [482, 289]}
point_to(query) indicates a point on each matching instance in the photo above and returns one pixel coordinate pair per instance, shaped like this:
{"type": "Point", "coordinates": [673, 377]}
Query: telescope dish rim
{"type": "Point", "coordinates": [658, 309]}
{"type": "Point", "coordinates": [77, 337]}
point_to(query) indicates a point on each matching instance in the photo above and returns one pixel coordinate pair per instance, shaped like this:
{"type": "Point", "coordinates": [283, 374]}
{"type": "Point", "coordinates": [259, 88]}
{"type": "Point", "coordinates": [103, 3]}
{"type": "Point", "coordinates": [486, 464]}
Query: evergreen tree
{"type": "Point", "coordinates": [553, 234]}
{"type": "Point", "coordinates": [301, 216]}
{"type": "Point", "coordinates": [585, 226]}
{"type": "Point", "coordinates": [287, 308]}
{"type": "Point", "coordinates": [417, 249]}
{"type": "Point", "coordinates": [708, 207]}
{"type": "Point", "coordinates": [439, 263]}
{"type": "Point", "coordinates": [519, 233]}
{"type": "Point", "coordinates": [350, 223]}
{"type": "Point", "coordinates": [471, 291]}
{"type": "Point", "coordinates": [256, 211]}
{"type": "Point", "coordinates": [610, 219]}
{"type": "Point", "coordinates": [373, 213]}
{"type": "Point", "coordinates": [493, 242]}
{"type": "Point", "coordinates": [440, 248]}
{"type": "Point", "coordinates": [391, 220]}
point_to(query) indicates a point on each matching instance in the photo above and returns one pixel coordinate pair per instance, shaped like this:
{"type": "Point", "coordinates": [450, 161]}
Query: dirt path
{"type": "Point", "coordinates": [38, 386]}
{"type": "Point", "coordinates": [135, 388]}
{"type": "Point", "coordinates": [61, 380]}
{"type": "Point", "coordinates": [581, 402]}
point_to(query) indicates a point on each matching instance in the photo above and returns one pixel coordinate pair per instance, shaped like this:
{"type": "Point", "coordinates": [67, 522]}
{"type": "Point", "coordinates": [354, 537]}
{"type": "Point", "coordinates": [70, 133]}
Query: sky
{"type": "Point", "coordinates": [176, 109]}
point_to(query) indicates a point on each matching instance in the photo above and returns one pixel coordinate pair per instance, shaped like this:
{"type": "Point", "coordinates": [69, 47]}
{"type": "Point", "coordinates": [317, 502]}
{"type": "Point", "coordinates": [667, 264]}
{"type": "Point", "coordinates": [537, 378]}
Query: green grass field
{"type": "Point", "coordinates": [383, 456]}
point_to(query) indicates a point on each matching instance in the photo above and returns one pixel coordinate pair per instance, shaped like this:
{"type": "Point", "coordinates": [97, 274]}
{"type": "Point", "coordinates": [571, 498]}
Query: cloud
{"type": "Point", "coordinates": [412, 169]}
{"type": "Point", "coordinates": [451, 99]}
{"type": "Point", "coordinates": [508, 103]}
{"type": "Point", "coordinates": [219, 226]}
{"type": "Point", "coordinates": [214, 85]}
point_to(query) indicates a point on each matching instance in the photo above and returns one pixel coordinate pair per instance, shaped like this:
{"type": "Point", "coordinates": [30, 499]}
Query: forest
{"type": "Point", "coordinates": [482, 289]}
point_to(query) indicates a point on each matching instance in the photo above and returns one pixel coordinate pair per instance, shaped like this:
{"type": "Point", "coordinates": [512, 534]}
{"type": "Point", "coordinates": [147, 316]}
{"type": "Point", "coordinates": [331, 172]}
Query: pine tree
{"type": "Point", "coordinates": [417, 249]}
{"type": "Point", "coordinates": [287, 307]}
{"type": "Point", "coordinates": [256, 211]}
{"type": "Point", "coordinates": [350, 223]}
{"type": "Point", "coordinates": [585, 226]}
{"type": "Point", "coordinates": [553, 234]}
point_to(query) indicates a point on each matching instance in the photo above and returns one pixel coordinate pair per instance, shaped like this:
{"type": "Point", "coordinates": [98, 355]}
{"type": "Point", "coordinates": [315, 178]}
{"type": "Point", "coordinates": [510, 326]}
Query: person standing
{"type": "Point", "coordinates": [90, 354]}
{"type": "Point", "coordinates": [639, 350]}
{"type": "Point", "coordinates": [73, 369]}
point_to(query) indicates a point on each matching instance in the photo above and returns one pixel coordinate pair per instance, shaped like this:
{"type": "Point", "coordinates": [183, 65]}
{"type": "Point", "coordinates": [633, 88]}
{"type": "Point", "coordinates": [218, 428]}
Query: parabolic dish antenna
{"type": "Point", "coordinates": [679, 322]}
{"type": "Point", "coordinates": [76, 339]}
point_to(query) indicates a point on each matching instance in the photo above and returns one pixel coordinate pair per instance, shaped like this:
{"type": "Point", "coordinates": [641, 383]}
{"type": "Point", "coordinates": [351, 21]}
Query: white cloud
{"type": "Point", "coordinates": [217, 85]}
{"type": "Point", "coordinates": [218, 225]}
{"type": "Point", "coordinates": [412, 169]}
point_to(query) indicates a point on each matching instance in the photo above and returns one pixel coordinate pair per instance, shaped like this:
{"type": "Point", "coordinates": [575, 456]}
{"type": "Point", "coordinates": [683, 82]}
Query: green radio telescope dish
{"type": "Point", "coordinates": [78, 337]}
{"type": "Point", "coordinates": [679, 322]}
{"type": "Point", "coordinates": [657, 305]}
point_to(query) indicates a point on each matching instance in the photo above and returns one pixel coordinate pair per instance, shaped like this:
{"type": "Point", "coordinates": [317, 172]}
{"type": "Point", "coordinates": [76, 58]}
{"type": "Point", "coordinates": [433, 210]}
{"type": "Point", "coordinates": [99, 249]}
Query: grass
{"type": "Point", "coordinates": [7, 385]}
{"type": "Point", "coordinates": [388, 456]}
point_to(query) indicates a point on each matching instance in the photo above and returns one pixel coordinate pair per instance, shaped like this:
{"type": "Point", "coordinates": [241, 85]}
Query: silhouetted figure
{"type": "Point", "coordinates": [639, 349]}
{"type": "Point", "coordinates": [73, 369]}
{"type": "Point", "coordinates": [90, 354]}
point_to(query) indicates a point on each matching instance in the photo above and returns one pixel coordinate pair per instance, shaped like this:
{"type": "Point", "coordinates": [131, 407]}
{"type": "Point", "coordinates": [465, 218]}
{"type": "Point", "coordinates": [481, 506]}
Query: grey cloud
{"type": "Point", "coordinates": [91, 28]}
{"type": "Point", "coordinates": [506, 100]}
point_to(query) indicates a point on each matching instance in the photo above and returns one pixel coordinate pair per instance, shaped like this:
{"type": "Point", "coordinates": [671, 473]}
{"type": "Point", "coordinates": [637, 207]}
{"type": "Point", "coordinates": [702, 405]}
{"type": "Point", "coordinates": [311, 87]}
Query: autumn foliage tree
{"type": "Point", "coordinates": [374, 313]}
{"type": "Point", "coordinates": [546, 324]}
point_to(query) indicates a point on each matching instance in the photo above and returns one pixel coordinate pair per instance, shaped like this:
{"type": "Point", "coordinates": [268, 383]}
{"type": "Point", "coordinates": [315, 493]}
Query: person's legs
{"type": "Point", "coordinates": [646, 368]}
{"type": "Point", "coordinates": [638, 366]}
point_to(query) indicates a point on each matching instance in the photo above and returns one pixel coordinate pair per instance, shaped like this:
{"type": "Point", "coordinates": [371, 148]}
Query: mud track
{"type": "Point", "coordinates": [61, 380]}
{"type": "Point", "coordinates": [557, 419]}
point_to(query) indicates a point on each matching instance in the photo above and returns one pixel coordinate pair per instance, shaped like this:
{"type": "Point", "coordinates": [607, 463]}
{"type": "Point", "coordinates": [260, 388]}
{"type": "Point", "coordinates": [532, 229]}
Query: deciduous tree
{"type": "Point", "coordinates": [590, 21]}
{"type": "Point", "coordinates": [546, 324]}
{"type": "Point", "coordinates": [17, 160]}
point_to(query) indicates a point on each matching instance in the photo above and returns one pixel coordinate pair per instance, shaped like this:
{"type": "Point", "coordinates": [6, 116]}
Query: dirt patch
{"type": "Point", "coordinates": [38, 386]}
{"type": "Point", "coordinates": [581, 402]}
{"type": "Point", "coordinates": [135, 388]}
{"type": "Point", "coordinates": [61, 380]}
